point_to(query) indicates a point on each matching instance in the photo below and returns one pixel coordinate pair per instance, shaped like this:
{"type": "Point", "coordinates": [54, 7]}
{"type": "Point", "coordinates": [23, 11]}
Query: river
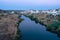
{"type": "Point", "coordinates": [35, 31]}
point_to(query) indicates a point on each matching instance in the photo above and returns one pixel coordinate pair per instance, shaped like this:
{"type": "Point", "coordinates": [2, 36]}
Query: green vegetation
{"type": "Point", "coordinates": [1, 14]}
{"type": "Point", "coordinates": [53, 25]}
{"type": "Point", "coordinates": [20, 20]}
{"type": "Point", "coordinates": [17, 37]}
{"type": "Point", "coordinates": [31, 17]}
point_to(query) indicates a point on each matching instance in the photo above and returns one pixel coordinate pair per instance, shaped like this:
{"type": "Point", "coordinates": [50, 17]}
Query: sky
{"type": "Point", "coordinates": [29, 4]}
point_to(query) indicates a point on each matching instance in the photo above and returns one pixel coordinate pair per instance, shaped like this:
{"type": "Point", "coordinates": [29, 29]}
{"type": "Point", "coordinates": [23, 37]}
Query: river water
{"type": "Point", "coordinates": [35, 31]}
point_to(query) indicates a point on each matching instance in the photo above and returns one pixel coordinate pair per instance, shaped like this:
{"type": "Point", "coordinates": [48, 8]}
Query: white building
{"type": "Point", "coordinates": [53, 12]}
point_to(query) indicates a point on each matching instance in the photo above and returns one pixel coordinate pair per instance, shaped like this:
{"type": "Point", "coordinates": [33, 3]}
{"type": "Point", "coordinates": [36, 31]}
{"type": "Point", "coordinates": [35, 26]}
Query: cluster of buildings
{"type": "Point", "coordinates": [53, 12]}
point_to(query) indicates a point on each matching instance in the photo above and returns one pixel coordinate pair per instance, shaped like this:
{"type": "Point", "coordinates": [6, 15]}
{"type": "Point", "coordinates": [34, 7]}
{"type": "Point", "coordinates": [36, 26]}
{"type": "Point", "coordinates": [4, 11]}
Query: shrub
{"type": "Point", "coordinates": [54, 25]}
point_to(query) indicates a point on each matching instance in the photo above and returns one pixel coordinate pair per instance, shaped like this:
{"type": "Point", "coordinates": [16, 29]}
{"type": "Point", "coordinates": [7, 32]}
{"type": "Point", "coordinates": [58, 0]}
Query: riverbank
{"type": "Point", "coordinates": [51, 22]}
{"type": "Point", "coordinates": [18, 33]}
{"type": "Point", "coordinates": [9, 26]}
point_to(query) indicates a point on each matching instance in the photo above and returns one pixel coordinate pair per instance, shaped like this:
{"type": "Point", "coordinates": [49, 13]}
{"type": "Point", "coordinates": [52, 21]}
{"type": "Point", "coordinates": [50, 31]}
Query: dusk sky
{"type": "Point", "coordinates": [29, 4]}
